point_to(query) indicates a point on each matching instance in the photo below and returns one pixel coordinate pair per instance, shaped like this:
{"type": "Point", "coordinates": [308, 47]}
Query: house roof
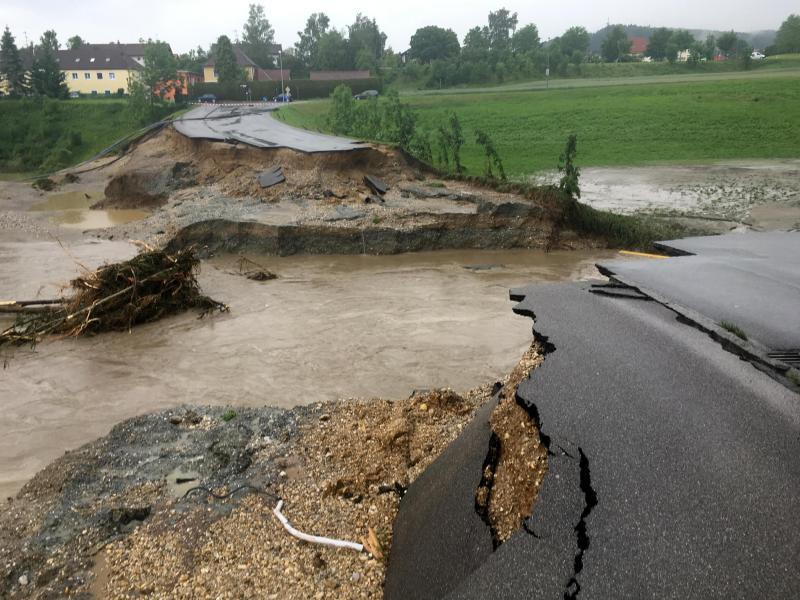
{"type": "Point", "coordinates": [97, 56]}
{"type": "Point", "coordinates": [273, 74]}
{"type": "Point", "coordinates": [90, 57]}
{"type": "Point", "coordinates": [241, 57]}
{"type": "Point", "coordinates": [639, 45]}
{"type": "Point", "coordinates": [336, 75]}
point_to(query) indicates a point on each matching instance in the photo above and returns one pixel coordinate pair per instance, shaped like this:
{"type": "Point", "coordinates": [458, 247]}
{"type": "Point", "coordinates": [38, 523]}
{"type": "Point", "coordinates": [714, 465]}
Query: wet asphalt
{"type": "Point", "coordinates": [750, 280]}
{"type": "Point", "coordinates": [255, 125]}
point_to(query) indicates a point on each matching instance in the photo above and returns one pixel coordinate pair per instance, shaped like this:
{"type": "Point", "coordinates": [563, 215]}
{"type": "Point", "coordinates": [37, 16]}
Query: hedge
{"type": "Point", "coordinates": [302, 89]}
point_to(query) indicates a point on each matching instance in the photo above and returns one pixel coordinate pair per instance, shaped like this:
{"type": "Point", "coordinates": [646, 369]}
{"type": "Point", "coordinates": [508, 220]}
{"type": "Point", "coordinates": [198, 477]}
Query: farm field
{"type": "Point", "coordinates": [623, 125]}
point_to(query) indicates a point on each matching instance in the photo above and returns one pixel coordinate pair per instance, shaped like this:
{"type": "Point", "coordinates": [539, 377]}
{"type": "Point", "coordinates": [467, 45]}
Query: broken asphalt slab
{"type": "Point", "coordinates": [255, 125]}
{"type": "Point", "coordinates": [271, 177]}
{"type": "Point", "coordinates": [673, 470]}
{"type": "Point", "coordinates": [377, 186]}
{"type": "Point", "coordinates": [750, 280]}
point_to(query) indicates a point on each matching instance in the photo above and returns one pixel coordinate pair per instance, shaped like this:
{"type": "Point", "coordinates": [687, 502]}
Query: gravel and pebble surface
{"type": "Point", "coordinates": [113, 518]}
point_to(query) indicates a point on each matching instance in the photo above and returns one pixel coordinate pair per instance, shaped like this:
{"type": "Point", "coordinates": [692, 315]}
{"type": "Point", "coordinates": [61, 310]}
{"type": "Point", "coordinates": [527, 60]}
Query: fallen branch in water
{"type": "Point", "coordinates": [116, 297]}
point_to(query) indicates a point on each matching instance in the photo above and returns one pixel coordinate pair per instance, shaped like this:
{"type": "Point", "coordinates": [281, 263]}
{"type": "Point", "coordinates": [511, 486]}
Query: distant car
{"type": "Point", "coordinates": [74, 95]}
{"type": "Point", "coordinates": [207, 99]}
{"type": "Point", "coordinates": [366, 94]}
{"type": "Point", "coordinates": [757, 56]}
{"type": "Point", "coordinates": [282, 98]}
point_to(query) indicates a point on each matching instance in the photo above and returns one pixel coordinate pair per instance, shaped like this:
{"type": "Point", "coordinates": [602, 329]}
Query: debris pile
{"type": "Point", "coordinates": [118, 296]}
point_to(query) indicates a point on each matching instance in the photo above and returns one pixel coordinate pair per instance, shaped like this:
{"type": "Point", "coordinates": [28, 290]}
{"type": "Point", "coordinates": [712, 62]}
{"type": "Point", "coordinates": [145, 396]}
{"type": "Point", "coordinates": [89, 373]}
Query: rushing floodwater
{"type": "Point", "coordinates": [330, 327]}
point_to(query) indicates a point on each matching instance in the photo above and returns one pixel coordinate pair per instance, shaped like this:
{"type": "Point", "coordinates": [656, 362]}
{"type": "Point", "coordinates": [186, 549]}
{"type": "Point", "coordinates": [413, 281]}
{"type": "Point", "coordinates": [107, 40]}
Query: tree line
{"type": "Point", "coordinates": [495, 51]}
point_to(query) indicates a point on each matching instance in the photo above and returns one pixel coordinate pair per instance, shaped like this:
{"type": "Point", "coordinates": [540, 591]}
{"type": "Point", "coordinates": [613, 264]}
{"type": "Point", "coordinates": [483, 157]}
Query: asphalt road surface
{"type": "Point", "coordinates": [255, 125]}
{"type": "Point", "coordinates": [673, 473]}
{"type": "Point", "coordinates": [751, 280]}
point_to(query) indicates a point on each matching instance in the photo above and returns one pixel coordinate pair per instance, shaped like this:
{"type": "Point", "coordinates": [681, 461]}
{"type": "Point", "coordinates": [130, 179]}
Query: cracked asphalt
{"type": "Point", "coordinates": [254, 125]}
{"type": "Point", "coordinates": [674, 471]}
{"type": "Point", "coordinates": [751, 280]}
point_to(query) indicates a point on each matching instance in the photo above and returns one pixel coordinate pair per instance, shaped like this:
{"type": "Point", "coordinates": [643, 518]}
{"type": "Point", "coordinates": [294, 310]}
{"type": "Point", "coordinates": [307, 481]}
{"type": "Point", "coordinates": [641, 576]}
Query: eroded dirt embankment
{"type": "Point", "coordinates": [208, 194]}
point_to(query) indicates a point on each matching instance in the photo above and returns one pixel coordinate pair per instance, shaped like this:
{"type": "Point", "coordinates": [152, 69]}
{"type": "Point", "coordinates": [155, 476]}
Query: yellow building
{"type": "Point", "coordinates": [101, 69]}
{"type": "Point", "coordinates": [94, 69]}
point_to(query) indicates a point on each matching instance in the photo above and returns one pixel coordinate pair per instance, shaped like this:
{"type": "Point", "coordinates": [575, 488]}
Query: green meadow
{"type": "Point", "coordinates": [617, 125]}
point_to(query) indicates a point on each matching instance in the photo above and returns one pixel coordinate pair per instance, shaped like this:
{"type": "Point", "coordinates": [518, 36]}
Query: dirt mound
{"type": "Point", "coordinates": [169, 161]}
{"type": "Point", "coordinates": [147, 187]}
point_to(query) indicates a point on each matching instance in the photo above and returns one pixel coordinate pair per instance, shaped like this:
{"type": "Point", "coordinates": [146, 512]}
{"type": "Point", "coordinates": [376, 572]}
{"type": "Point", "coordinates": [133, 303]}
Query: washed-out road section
{"type": "Point", "coordinates": [255, 125]}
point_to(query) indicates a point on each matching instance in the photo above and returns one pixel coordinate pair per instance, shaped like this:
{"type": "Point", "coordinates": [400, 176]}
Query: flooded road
{"type": "Point", "coordinates": [329, 327]}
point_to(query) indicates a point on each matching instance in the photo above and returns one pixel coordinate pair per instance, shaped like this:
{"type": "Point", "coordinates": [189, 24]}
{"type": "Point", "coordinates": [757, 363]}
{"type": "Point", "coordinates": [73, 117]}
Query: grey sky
{"type": "Point", "coordinates": [187, 23]}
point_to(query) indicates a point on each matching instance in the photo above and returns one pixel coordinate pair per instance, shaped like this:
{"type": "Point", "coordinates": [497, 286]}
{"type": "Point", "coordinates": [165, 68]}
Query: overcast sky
{"type": "Point", "coordinates": [187, 23]}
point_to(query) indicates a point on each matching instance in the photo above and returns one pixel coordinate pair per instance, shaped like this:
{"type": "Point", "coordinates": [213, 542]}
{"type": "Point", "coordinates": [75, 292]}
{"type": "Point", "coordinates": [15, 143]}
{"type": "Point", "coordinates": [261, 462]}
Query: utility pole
{"type": "Point", "coordinates": [547, 69]}
{"type": "Point", "coordinates": [280, 58]}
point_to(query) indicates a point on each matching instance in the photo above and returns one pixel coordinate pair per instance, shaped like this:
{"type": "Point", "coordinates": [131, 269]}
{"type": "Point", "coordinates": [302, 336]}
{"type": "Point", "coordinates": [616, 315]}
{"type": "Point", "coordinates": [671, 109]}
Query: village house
{"type": "Point", "coordinates": [95, 69]}
{"type": "Point", "coordinates": [251, 70]}
{"type": "Point", "coordinates": [101, 69]}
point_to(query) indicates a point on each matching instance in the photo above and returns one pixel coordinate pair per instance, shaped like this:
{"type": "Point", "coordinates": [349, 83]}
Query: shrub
{"type": "Point", "coordinates": [571, 173]}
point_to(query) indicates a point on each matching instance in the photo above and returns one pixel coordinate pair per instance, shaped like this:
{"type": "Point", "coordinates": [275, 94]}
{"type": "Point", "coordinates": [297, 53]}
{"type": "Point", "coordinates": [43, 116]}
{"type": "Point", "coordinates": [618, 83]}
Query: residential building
{"type": "Point", "coordinates": [338, 75]}
{"type": "Point", "coordinates": [101, 69]}
{"type": "Point", "coordinates": [251, 70]}
{"type": "Point", "coordinates": [639, 46]}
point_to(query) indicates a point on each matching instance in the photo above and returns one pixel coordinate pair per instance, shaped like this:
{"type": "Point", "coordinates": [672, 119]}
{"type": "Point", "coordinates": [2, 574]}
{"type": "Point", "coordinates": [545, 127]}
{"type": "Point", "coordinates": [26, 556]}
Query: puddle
{"type": "Point", "coordinates": [181, 481]}
{"type": "Point", "coordinates": [330, 327]}
{"type": "Point", "coordinates": [72, 210]}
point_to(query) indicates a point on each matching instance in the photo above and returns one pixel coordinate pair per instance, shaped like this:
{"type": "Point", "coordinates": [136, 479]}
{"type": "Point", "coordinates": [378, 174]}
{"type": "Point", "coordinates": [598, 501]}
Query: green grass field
{"type": "Point", "coordinates": [40, 136]}
{"type": "Point", "coordinates": [625, 125]}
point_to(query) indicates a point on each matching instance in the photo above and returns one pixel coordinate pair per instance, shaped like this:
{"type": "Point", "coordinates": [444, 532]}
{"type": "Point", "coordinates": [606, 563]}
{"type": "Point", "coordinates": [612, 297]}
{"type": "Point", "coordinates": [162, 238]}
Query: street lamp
{"type": "Point", "coordinates": [280, 58]}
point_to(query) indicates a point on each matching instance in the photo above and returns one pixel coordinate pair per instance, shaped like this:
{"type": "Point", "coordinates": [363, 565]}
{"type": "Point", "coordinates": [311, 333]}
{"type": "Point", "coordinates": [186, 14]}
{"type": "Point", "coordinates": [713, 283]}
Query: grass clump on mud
{"type": "Point", "coordinates": [118, 296]}
{"type": "Point", "coordinates": [734, 329]}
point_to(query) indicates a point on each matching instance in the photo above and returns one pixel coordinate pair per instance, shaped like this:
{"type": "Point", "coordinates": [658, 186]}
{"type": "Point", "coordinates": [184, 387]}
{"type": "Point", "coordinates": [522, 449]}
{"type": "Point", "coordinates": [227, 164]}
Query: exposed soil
{"type": "Point", "coordinates": [208, 194]}
{"type": "Point", "coordinates": [522, 458]}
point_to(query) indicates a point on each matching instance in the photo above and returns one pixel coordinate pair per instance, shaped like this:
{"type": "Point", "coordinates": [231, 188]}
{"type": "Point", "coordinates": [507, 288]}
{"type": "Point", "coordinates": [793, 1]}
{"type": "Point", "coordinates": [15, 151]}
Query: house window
{"type": "Point", "coordinates": [87, 75]}
{"type": "Point", "coordinates": [99, 75]}
{"type": "Point", "coordinates": [74, 75]}
{"type": "Point", "coordinates": [108, 92]}
{"type": "Point", "coordinates": [112, 75]}
{"type": "Point", "coordinates": [91, 60]}
{"type": "Point", "coordinates": [94, 92]}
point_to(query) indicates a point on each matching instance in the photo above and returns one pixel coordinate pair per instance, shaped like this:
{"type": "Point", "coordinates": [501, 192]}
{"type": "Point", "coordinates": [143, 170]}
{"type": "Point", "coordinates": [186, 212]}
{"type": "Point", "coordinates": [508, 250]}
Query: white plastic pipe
{"type": "Point", "coordinates": [314, 539]}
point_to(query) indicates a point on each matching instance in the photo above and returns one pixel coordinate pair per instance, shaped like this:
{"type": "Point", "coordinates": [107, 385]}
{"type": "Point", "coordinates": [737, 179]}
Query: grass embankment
{"type": "Point", "coordinates": [616, 126]}
{"type": "Point", "coordinates": [42, 135]}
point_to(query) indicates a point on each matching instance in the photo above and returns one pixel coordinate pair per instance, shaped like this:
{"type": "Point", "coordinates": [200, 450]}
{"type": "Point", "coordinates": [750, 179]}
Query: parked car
{"type": "Point", "coordinates": [207, 99]}
{"type": "Point", "coordinates": [756, 55]}
{"type": "Point", "coordinates": [282, 98]}
{"type": "Point", "coordinates": [74, 95]}
{"type": "Point", "coordinates": [366, 94]}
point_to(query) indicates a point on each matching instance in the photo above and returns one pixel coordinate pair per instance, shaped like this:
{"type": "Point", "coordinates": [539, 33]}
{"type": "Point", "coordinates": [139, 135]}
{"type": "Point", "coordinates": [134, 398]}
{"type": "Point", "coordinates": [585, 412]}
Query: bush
{"type": "Point", "coordinates": [382, 119]}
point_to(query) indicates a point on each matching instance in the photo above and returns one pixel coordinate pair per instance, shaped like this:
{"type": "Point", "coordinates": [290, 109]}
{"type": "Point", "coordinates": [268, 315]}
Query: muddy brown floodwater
{"type": "Point", "coordinates": [73, 209]}
{"type": "Point", "coordinates": [329, 327]}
